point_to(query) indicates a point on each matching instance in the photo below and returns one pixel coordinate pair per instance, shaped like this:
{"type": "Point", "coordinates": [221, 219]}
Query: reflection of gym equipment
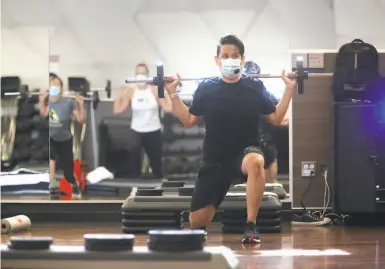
{"type": "Point", "coordinates": [182, 148]}
{"type": "Point", "coordinates": [82, 89]}
{"type": "Point", "coordinates": [117, 143]}
{"type": "Point", "coordinates": [8, 130]}
{"type": "Point", "coordinates": [27, 147]}
{"type": "Point", "coordinates": [152, 211]}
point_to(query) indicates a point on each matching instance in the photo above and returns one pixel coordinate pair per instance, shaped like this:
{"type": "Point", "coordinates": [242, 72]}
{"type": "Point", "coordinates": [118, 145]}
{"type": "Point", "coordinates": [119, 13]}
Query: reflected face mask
{"type": "Point", "coordinates": [54, 91]}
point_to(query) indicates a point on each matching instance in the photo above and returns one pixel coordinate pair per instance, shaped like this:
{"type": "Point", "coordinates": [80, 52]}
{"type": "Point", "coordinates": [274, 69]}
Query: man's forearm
{"type": "Point", "coordinates": [181, 110]}
{"type": "Point", "coordinates": [82, 114]}
{"type": "Point", "coordinates": [43, 109]}
{"type": "Point", "coordinates": [283, 105]}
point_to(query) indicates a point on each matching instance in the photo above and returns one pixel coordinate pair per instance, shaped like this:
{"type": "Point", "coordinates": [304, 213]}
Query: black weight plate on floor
{"type": "Point", "coordinates": [240, 229]}
{"type": "Point", "coordinates": [30, 243]}
{"type": "Point", "coordinates": [145, 229]}
{"type": "Point", "coordinates": [149, 192]}
{"type": "Point", "coordinates": [172, 184]}
{"type": "Point", "coordinates": [186, 191]}
{"type": "Point", "coordinates": [176, 240]}
{"type": "Point", "coordinates": [108, 242]}
{"type": "Point", "coordinates": [174, 247]}
{"type": "Point", "coordinates": [260, 222]}
{"type": "Point", "coordinates": [227, 214]}
{"type": "Point", "coordinates": [151, 215]}
{"type": "Point", "coordinates": [174, 219]}
{"type": "Point", "coordinates": [169, 223]}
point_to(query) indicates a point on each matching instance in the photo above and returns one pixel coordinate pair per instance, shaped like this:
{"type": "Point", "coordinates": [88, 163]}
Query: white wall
{"type": "Point", "coordinates": [103, 39]}
{"type": "Point", "coordinates": [25, 53]}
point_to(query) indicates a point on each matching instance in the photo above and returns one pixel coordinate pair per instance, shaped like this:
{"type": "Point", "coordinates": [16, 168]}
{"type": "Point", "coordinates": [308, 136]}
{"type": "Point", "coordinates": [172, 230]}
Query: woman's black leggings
{"type": "Point", "coordinates": [152, 144]}
{"type": "Point", "coordinates": [61, 152]}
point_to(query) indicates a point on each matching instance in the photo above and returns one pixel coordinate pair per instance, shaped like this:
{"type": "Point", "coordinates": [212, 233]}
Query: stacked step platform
{"type": "Point", "coordinates": [268, 220]}
{"type": "Point", "coordinates": [161, 208]}
{"type": "Point", "coordinates": [141, 220]}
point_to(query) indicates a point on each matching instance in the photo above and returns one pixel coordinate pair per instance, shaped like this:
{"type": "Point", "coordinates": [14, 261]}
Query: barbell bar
{"type": "Point", "coordinates": [94, 99]}
{"type": "Point", "coordinates": [301, 75]}
{"type": "Point", "coordinates": [93, 92]}
{"type": "Point", "coordinates": [65, 94]}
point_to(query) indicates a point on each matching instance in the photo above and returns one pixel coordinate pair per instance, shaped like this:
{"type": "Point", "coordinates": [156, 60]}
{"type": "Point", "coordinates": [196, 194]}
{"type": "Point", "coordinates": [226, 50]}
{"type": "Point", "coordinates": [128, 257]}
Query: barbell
{"type": "Point", "coordinates": [94, 93]}
{"type": "Point", "coordinates": [301, 75]}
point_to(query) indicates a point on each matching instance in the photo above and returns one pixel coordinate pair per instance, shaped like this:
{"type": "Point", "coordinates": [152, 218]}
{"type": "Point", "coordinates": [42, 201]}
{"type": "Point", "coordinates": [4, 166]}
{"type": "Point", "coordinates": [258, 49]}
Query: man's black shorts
{"type": "Point", "coordinates": [61, 152]}
{"type": "Point", "coordinates": [215, 179]}
{"type": "Point", "coordinates": [270, 153]}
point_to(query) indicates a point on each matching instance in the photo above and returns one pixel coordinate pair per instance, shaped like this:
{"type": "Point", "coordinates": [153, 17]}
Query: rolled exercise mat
{"type": "Point", "coordinates": [15, 224]}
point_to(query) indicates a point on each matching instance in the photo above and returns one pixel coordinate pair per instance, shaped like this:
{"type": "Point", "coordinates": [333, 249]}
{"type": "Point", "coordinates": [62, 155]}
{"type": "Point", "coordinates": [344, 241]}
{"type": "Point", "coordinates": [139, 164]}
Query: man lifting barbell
{"type": "Point", "coordinates": [60, 110]}
{"type": "Point", "coordinates": [231, 106]}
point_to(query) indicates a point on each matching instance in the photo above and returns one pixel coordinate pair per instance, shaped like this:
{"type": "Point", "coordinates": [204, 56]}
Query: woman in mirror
{"type": "Point", "coordinates": [145, 120]}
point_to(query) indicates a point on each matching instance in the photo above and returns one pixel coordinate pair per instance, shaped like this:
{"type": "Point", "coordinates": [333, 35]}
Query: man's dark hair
{"type": "Point", "coordinates": [231, 40]}
{"type": "Point", "coordinates": [54, 76]}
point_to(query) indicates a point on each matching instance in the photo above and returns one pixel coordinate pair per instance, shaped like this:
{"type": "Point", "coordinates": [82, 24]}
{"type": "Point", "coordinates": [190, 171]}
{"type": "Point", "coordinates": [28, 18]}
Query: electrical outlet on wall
{"type": "Point", "coordinates": [308, 169]}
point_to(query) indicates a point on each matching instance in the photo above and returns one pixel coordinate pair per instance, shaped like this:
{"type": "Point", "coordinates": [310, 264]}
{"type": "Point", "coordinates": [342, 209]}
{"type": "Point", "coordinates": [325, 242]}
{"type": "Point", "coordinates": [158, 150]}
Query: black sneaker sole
{"type": "Point", "coordinates": [251, 240]}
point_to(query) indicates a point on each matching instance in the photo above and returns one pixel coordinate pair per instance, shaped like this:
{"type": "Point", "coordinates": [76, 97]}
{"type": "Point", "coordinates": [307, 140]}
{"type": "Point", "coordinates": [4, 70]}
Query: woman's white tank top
{"type": "Point", "coordinates": [145, 111]}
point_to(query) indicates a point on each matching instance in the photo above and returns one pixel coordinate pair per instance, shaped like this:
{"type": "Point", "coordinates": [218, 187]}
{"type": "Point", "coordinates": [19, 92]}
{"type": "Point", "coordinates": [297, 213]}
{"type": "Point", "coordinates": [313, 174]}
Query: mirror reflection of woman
{"type": "Point", "coordinates": [60, 111]}
{"type": "Point", "coordinates": [145, 121]}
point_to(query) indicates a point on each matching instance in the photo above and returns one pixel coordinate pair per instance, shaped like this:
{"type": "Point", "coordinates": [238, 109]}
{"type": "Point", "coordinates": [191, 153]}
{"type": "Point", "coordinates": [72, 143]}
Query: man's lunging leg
{"type": "Point", "coordinates": [252, 165]}
{"type": "Point", "coordinates": [271, 173]}
{"type": "Point", "coordinates": [200, 218]}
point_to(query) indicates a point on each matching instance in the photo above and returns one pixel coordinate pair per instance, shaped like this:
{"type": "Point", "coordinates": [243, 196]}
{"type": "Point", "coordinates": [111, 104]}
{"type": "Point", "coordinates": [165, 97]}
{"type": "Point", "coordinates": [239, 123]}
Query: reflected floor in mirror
{"type": "Point", "coordinates": [295, 248]}
{"type": "Point", "coordinates": [118, 190]}
{"type": "Point", "coordinates": [84, 199]}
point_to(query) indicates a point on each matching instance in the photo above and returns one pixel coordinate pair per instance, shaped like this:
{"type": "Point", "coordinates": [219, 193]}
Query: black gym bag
{"type": "Point", "coordinates": [357, 65]}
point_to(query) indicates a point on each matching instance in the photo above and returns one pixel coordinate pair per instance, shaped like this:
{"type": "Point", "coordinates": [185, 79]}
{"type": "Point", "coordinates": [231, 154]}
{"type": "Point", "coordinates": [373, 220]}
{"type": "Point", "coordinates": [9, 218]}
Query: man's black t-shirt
{"type": "Point", "coordinates": [231, 112]}
{"type": "Point", "coordinates": [265, 127]}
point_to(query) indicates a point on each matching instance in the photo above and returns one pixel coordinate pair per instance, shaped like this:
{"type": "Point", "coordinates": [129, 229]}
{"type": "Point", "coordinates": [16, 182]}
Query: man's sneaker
{"type": "Point", "coordinates": [76, 193]}
{"type": "Point", "coordinates": [251, 234]}
{"type": "Point", "coordinates": [54, 193]}
{"type": "Point", "coordinates": [308, 219]}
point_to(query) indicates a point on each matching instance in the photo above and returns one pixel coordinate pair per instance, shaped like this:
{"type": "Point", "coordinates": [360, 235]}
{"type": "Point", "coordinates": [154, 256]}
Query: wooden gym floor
{"type": "Point", "coordinates": [295, 248]}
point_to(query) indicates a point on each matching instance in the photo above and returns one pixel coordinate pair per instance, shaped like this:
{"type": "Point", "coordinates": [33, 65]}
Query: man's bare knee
{"type": "Point", "coordinates": [202, 217]}
{"type": "Point", "coordinates": [252, 163]}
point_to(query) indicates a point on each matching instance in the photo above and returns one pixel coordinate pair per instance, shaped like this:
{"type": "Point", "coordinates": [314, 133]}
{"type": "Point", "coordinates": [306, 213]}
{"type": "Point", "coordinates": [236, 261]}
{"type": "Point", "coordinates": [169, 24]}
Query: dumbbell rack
{"type": "Point", "coordinates": [31, 141]}
{"type": "Point", "coordinates": [182, 148]}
